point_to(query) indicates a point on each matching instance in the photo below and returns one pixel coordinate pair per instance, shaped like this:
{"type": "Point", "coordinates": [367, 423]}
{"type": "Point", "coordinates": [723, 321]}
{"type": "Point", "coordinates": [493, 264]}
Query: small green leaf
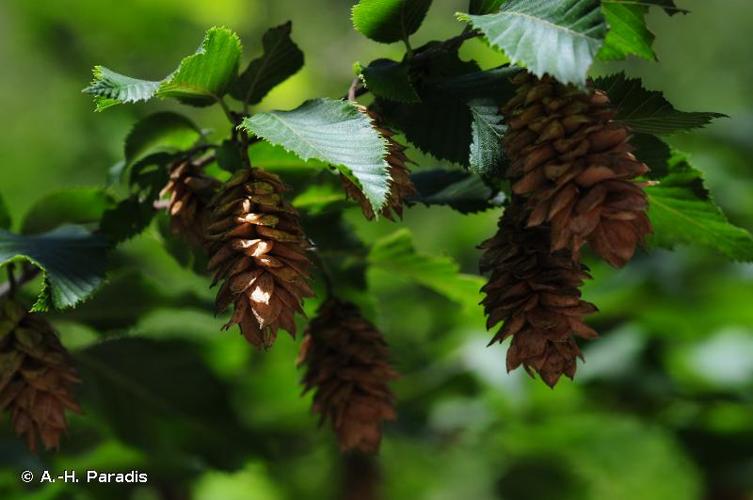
{"type": "Point", "coordinates": [281, 59]}
{"type": "Point", "coordinates": [319, 198]}
{"type": "Point", "coordinates": [127, 218]}
{"type": "Point", "coordinates": [487, 154]}
{"type": "Point", "coordinates": [482, 7]}
{"type": "Point", "coordinates": [229, 156]}
{"type": "Point", "coordinates": [160, 132]}
{"type": "Point", "coordinates": [335, 132]}
{"type": "Point", "coordinates": [205, 76]}
{"type": "Point", "coordinates": [683, 213]}
{"type": "Point", "coordinates": [84, 205]}
{"type": "Point", "coordinates": [648, 111]}
{"type": "Point", "coordinates": [389, 79]}
{"type": "Point", "coordinates": [396, 255]}
{"type": "Point", "coordinates": [110, 88]}
{"type": "Point", "coordinates": [559, 38]}
{"type": "Point", "coordinates": [628, 33]}
{"type": "Point", "coordinates": [72, 261]}
{"type": "Point", "coordinates": [460, 190]}
{"type": "Point", "coordinates": [668, 5]}
{"type": "Point", "coordinates": [389, 21]}
{"type": "Point", "coordinates": [5, 220]}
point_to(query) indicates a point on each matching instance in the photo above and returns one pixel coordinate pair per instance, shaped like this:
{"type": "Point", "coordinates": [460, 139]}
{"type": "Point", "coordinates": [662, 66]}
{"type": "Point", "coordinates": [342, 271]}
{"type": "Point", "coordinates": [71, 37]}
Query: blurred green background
{"type": "Point", "coordinates": [662, 409]}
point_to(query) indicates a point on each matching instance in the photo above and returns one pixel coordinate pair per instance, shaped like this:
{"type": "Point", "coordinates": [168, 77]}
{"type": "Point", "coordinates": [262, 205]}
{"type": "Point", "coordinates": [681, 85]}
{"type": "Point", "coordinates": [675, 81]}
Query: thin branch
{"type": "Point", "coordinates": [28, 274]}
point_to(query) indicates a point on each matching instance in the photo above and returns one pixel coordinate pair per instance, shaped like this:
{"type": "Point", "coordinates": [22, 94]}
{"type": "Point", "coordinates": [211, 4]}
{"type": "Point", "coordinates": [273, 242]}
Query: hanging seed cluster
{"type": "Point", "coordinates": [573, 178]}
{"type": "Point", "coordinates": [189, 190]}
{"type": "Point", "coordinates": [401, 187]}
{"type": "Point", "coordinates": [258, 252]}
{"type": "Point", "coordinates": [347, 367]}
{"type": "Point", "coordinates": [37, 377]}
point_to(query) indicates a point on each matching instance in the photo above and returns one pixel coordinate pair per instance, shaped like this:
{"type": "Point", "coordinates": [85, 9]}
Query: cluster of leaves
{"type": "Point", "coordinates": [440, 104]}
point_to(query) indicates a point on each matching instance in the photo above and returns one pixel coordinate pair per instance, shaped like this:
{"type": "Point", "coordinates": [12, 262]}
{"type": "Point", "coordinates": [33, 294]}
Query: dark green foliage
{"type": "Point", "coordinates": [281, 59]}
{"type": "Point", "coordinates": [389, 21]}
{"type": "Point", "coordinates": [648, 111]}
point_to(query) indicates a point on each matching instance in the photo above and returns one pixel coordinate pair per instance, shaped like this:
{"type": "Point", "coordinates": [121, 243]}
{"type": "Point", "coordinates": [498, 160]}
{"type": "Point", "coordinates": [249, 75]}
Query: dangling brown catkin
{"type": "Point", "coordinates": [401, 187]}
{"type": "Point", "coordinates": [36, 377]}
{"type": "Point", "coordinates": [574, 165]}
{"type": "Point", "coordinates": [189, 192]}
{"type": "Point", "coordinates": [258, 249]}
{"type": "Point", "coordinates": [347, 365]}
{"type": "Point", "coordinates": [536, 294]}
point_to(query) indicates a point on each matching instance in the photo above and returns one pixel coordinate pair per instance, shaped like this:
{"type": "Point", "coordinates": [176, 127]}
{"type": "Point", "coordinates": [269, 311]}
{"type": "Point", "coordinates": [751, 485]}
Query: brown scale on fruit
{"type": "Point", "coordinates": [347, 365]}
{"type": "Point", "coordinates": [400, 186]}
{"type": "Point", "coordinates": [574, 165]}
{"type": "Point", "coordinates": [189, 192]}
{"type": "Point", "coordinates": [36, 377]}
{"type": "Point", "coordinates": [258, 250]}
{"type": "Point", "coordinates": [536, 294]}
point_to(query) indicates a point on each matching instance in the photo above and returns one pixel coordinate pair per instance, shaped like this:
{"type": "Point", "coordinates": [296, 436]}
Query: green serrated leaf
{"type": "Point", "coordinates": [389, 21]}
{"type": "Point", "coordinates": [110, 88]}
{"type": "Point", "coordinates": [628, 33]}
{"type": "Point", "coordinates": [559, 38]}
{"type": "Point", "coordinates": [72, 260]}
{"type": "Point", "coordinates": [683, 213]}
{"type": "Point", "coordinates": [5, 220]}
{"type": "Point", "coordinates": [205, 76]}
{"type": "Point", "coordinates": [460, 190]}
{"type": "Point", "coordinates": [396, 255]}
{"type": "Point", "coordinates": [281, 59]}
{"type": "Point", "coordinates": [84, 205]}
{"type": "Point", "coordinates": [647, 111]}
{"type": "Point", "coordinates": [160, 132]}
{"type": "Point", "coordinates": [335, 132]}
{"type": "Point", "coordinates": [389, 79]}
{"type": "Point", "coordinates": [487, 154]}
{"type": "Point", "coordinates": [482, 7]}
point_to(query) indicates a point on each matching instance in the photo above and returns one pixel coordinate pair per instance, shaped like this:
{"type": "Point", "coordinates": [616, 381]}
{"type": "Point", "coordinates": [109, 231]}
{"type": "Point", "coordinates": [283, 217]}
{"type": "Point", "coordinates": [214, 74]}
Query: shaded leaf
{"type": "Point", "coordinates": [281, 59]}
{"type": "Point", "coordinates": [559, 38]}
{"type": "Point", "coordinates": [628, 33]}
{"type": "Point", "coordinates": [389, 79]}
{"type": "Point", "coordinates": [653, 152]}
{"type": "Point", "coordinates": [683, 213]}
{"type": "Point", "coordinates": [335, 132]}
{"type": "Point", "coordinates": [83, 205]}
{"type": "Point", "coordinates": [110, 88]}
{"type": "Point", "coordinates": [396, 255]}
{"type": "Point", "coordinates": [457, 189]}
{"type": "Point", "coordinates": [648, 111]}
{"type": "Point", "coordinates": [228, 156]}
{"type": "Point", "coordinates": [389, 21]}
{"type": "Point", "coordinates": [160, 132]}
{"type": "Point", "coordinates": [72, 261]}
{"type": "Point", "coordinates": [128, 218]}
{"type": "Point", "coordinates": [160, 396]}
{"type": "Point", "coordinates": [487, 154]}
{"type": "Point", "coordinates": [484, 6]}
{"type": "Point", "coordinates": [493, 84]}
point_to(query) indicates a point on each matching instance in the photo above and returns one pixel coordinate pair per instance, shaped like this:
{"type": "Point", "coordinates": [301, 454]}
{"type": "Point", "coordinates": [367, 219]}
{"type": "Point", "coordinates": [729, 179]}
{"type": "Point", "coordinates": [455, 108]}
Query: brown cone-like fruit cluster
{"type": "Point", "coordinates": [189, 192]}
{"type": "Point", "coordinates": [36, 377]}
{"type": "Point", "coordinates": [536, 294]}
{"type": "Point", "coordinates": [258, 249]}
{"type": "Point", "coordinates": [401, 187]}
{"type": "Point", "coordinates": [574, 165]}
{"type": "Point", "coordinates": [347, 366]}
